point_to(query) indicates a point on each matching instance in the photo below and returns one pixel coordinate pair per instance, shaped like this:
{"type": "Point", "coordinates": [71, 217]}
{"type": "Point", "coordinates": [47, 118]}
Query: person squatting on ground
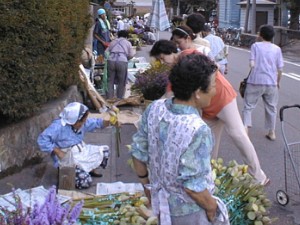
{"type": "Point", "coordinates": [101, 33]}
{"type": "Point", "coordinates": [222, 111]}
{"type": "Point", "coordinates": [218, 49]}
{"type": "Point", "coordinates": [148, 36]}
{"type": "Point", "coordinates": [63, 139]}
{"type": "Point", "coordinates": [120, 50]}
{"type": "Point", "coordinates": [175, 144]}
{"type": "Point", "coordinates": [266, 64]}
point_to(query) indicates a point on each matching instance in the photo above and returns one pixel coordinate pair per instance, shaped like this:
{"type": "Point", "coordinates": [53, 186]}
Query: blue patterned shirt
{"type": "Point", "coordinates": [193, 166]}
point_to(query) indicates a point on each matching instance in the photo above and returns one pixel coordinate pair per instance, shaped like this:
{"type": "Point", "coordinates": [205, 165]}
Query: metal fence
{"type": "Point", "coordinates": [236, 37]}
{"type": "Point", "coordinates": [284, 36]}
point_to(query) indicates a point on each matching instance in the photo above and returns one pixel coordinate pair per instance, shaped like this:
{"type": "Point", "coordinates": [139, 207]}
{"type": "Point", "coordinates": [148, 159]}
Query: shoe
{"type": "Point", "coordinates": [266, 182]}
{"type": "Point", "coordinates": [94, 174]}
{"type": "Point", "coordinates": [271, 136]}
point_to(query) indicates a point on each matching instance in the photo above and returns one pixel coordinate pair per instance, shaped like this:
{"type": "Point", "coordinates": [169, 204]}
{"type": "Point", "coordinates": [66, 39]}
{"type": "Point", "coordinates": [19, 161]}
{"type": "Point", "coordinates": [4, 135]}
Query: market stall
{"type": "Point", "coordinates": [126, 204]}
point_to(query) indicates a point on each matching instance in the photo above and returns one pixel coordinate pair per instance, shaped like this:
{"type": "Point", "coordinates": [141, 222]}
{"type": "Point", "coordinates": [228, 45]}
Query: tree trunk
{"type": "Point", "coordinates": [294, 19]}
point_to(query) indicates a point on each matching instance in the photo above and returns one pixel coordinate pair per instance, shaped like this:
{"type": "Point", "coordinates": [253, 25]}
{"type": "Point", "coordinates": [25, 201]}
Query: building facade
{"type": "Point", "coordinates": [232, 13]}
{"type": "Point", "coordinates": [130, 7]}
{"type": "Point", "coordinates": [264, 13]}
{"type": "Point", "coordinates": [229, 13]}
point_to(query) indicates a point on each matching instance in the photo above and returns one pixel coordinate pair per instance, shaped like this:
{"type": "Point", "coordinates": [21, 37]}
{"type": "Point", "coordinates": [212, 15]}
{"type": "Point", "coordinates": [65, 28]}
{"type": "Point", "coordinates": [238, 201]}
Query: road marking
{"type": "Point", "coordinates": [292, 63]}
{"type": "Point", "coordinates": [292, 75]}
{"type": "Point", "coordinates": [246, 50]}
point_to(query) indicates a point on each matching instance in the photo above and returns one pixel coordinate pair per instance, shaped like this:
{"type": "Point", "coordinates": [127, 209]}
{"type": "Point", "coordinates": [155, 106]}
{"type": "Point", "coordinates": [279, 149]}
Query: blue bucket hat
{"type": "Point", "coordinates": [101, 12]}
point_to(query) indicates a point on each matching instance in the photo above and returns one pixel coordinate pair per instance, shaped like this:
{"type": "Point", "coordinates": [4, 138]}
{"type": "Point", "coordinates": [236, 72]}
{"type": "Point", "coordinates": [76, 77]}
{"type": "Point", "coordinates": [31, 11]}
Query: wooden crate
{"type": "Point", "coordinates": [66, 178]}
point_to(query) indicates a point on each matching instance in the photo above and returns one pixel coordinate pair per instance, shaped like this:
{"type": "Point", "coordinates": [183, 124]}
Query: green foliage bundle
{"type": "Point", "coordinates": [40, 44]}
{"type": "Point", "coordinates": [246, 200]}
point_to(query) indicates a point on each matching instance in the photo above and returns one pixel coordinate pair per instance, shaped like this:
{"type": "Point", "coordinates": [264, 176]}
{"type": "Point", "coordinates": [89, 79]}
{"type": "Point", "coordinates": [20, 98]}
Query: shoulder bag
{"type": "Point", "coordinates": [243, 85]}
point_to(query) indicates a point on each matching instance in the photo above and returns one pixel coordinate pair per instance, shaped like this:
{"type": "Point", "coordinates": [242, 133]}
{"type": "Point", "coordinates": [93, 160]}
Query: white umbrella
{"type": "Point", "coordinates": [158, 18]}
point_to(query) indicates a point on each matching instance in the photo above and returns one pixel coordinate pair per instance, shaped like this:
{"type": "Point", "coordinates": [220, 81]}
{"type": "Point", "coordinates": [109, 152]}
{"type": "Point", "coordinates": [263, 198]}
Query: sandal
{"type": "Point", "coordinates": [266, 182]}
{"type": "Point", "coordinates": [271, 137]}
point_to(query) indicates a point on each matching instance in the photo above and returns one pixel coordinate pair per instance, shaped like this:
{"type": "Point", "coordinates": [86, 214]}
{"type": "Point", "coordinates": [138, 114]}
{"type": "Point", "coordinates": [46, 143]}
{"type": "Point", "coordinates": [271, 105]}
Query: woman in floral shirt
{"type": "Point", "coordinates": [175, 144]}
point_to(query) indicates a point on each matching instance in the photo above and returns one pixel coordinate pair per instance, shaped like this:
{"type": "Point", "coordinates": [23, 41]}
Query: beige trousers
{"type": "Point", "coordinates": [229, 117]}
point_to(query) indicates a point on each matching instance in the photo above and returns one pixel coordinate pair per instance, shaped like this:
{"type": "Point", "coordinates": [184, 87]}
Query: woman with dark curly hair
{"type": "Point", "coordinates": [175, 144]}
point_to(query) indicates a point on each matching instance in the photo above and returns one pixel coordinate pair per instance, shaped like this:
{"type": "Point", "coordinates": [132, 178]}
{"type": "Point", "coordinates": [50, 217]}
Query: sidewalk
{"type": "Point", "coordinates": [45, 174]}
{"type": "Point", "coordinates": [291, 51]}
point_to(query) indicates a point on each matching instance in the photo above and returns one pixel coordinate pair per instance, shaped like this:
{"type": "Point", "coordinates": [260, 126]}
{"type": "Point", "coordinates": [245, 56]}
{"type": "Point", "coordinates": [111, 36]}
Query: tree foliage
{"type": "Point", "coordinates": [40, 44]}
{"type": "Point", "coordinates": [294, 7]}
{"type": "Point", "coordinates": [205, 6]}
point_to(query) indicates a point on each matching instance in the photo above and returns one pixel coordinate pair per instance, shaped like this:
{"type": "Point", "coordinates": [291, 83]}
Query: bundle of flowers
{"type": "Point", "coordinates": [246, 200]}
{"type": "Point", "coordinates": [152, 82]}
{"type": "Point", "coordinates": [134, 40]}
{"type": "Point", "coordinates": [120, 208]}
{"type": "Point", "coordinates": [51, 212]}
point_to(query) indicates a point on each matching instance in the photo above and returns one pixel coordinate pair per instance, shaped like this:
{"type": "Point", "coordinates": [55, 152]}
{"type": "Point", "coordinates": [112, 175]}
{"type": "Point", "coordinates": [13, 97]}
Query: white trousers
{"type": "Point", "coordinates": [86, 157]}
{"type": "Point", "coordinates": [229, 117]}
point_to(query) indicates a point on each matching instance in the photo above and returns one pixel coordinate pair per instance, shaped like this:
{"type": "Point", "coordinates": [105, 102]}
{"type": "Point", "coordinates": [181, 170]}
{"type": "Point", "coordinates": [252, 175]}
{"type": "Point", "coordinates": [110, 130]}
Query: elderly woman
{"type": "Point", "coordinates": [175, 145]}
{"type": "Point", "coordinates": [63, 139]}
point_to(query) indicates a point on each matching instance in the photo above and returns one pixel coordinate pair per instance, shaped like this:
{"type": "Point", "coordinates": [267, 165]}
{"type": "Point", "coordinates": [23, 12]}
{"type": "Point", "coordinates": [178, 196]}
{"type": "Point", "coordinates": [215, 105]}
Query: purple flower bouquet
{"type": "Point", "coordinates": [152, 82]}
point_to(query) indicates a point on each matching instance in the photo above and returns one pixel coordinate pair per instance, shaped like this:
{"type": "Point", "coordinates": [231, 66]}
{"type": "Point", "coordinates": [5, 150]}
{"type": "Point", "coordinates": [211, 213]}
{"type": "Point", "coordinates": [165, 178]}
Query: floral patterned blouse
{"type": "Point", "coordinates": [175, 143]}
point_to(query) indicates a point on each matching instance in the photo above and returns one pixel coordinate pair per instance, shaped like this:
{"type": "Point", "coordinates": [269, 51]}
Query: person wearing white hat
{"type": "Point", "coordinates": [63, 139]}
{"type": "Point", "coordinates": [120, 24]}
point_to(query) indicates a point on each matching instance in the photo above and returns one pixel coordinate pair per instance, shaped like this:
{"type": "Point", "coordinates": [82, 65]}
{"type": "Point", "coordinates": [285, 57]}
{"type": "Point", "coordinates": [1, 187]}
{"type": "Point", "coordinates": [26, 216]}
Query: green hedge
{"type": "Point", "coordinates": [40, 46]}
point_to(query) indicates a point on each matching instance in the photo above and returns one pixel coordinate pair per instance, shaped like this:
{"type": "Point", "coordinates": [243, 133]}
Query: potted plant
{"type": "Point", "coordinates": [152, 82]}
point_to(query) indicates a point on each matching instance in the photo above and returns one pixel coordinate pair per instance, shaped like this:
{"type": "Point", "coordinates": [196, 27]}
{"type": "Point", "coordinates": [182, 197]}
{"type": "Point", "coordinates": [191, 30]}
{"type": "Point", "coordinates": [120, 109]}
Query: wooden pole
{"type": "Point", "coordinates": [98, 101]}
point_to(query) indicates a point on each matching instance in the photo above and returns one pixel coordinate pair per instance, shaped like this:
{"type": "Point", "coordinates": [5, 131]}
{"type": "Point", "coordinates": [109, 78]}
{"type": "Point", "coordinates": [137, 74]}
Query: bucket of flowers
{"type": "Point", "coordinates": [134, 37]}
{"type": "Point", "coordinates": [152, 82]}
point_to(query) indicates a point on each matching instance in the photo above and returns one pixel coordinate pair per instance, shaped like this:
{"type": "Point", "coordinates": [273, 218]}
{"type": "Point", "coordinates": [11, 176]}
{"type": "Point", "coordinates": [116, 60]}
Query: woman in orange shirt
{"type": "Point", "coordinates": [222, 112]}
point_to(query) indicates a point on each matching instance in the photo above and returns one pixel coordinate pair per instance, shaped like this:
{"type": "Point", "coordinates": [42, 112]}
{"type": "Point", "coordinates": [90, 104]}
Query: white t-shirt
{"type": "Point", "coordinates": [217, 48]}
{"type": "Point", "coordinates": [120, 25]}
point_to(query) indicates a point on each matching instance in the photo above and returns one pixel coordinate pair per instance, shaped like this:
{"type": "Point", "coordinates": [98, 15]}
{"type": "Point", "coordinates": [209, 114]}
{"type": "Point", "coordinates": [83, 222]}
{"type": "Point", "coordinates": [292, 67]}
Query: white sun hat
{"type": "Point", "coordinates": [72, 113]}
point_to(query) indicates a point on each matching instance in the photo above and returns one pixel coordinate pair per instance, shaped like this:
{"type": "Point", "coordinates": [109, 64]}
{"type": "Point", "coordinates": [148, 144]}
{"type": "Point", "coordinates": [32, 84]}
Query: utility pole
{"type": "Point", "coordinates": [253, 19]}
{"type": "Point", "coordinates": [247, 16]}
{"type": "Point", "coordinates": [279, 13]}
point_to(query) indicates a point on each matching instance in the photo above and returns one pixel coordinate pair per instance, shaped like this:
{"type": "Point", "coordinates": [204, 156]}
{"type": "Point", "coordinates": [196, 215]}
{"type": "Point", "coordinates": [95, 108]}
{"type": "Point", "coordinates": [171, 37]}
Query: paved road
{"type": "Point", "coordinates": [270, 153]}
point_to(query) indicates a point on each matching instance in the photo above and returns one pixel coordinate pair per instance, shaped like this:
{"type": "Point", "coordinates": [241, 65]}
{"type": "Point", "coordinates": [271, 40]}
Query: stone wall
{"type": "Point", "coordinates": [18, 141]}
